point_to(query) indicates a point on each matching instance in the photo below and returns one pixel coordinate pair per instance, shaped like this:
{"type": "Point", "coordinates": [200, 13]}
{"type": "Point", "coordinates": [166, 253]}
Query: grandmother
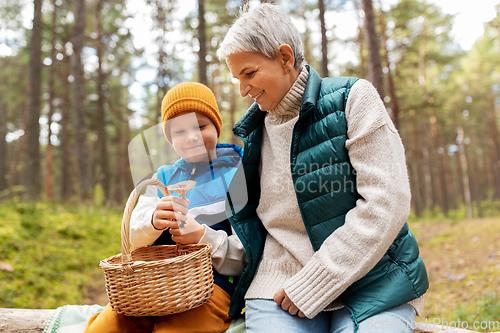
{"type": "Point", "coordinates": [325, 226]}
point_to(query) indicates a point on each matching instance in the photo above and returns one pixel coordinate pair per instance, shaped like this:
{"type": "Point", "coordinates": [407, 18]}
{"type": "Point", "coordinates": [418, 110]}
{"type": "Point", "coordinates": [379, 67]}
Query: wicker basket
{"type": "Point", "coordinates": [157, 280]}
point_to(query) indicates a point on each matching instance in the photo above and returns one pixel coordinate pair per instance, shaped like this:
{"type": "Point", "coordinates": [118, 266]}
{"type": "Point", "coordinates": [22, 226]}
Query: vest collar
{"type": "Point", "coordinates": [311, 92]}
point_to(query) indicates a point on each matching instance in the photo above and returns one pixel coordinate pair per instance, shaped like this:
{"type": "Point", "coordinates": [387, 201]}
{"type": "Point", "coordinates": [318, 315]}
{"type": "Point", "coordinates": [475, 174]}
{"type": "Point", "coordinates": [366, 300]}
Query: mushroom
{"type": "Point", "coordinates": [182, 189]}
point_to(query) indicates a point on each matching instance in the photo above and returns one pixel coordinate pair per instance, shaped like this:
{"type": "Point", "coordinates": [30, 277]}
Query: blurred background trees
{"type": "Point", "coordinates": [84, 77]}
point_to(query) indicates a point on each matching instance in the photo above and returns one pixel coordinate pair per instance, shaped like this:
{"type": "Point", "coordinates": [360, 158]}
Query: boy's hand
{"type": "Point", "coordinates": [286, 304]}
{"type": "Point", "coordinates": [169, 209]}
{"type": "Point", "coordinates": [171, 213]}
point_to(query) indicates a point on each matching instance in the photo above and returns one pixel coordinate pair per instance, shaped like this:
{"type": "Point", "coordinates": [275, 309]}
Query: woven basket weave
{"type": "Point", "coordinates": [157, 280]}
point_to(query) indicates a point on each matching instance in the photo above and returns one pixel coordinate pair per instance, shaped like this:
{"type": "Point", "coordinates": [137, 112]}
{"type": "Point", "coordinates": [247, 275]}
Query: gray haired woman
{"type": "Point", "coordinates": [325, 226]}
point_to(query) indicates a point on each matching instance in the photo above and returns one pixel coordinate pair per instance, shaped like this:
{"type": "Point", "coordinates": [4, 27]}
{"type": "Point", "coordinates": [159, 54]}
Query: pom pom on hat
{"type": "Point", "coordinates": [189, 97]}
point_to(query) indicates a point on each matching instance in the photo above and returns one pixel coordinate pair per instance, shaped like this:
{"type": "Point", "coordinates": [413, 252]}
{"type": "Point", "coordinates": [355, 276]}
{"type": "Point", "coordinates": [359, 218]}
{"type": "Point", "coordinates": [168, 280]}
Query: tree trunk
{"type": "Point", "coordinates": [439, 165]}
{"type": "Point", "coordinates": [3, 145]}
{"type": "Point", "coordinates": [32, 168]}
{"type": "Point", "coordinates": [65, 152]}
{"type": "Point", "coordinates": [202, 62]}
{"type": "Point", "coordinates": [494, 143]}
{"type": "Point", "coordinates": [474, 174]}
{"type": "Point", "coordinates": [324, 41]}
{"type": "Point", "coordinates": [49, 156]}
{"type": "Point", "coordinates": [465, 173]}
{"type": "Point", "coordinates": [79, 114]}
{"type": "Point", "coordinates": [307, 41]}
{"type": "Point", "coordinates": [103, 175]}
{"type": "Point", "coordinates": [374, 64]}
{"type": "Point", "coordinates": [160, 18]}
{"type": "Point", "coordinates": [392, 89]}
{"type": "Point", "coordinates": [427, 159]}
{"type": "Point", "coordinates": [361, 42]}
{"type": "Point", "coordinates": [448, 179]}
{"type": "Point", "coordinates": [118, 182]}
{"type": "Point", "coordinates": [20, 148]}
{"type": "Point", "coordinates": [415, 166]}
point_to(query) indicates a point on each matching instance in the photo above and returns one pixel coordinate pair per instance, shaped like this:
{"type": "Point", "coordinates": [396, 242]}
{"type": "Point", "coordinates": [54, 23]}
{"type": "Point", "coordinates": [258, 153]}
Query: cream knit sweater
{"type": "Point", "coordinates": [314, 280]}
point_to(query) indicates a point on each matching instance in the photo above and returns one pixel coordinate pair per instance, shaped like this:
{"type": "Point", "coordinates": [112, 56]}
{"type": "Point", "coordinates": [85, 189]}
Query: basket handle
{"type": "Point", "coordinates": [129, 207]}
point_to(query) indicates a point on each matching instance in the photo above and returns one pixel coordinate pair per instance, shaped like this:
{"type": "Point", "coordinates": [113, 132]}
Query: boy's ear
{"type": "Point", "coordinates": [286, 56]}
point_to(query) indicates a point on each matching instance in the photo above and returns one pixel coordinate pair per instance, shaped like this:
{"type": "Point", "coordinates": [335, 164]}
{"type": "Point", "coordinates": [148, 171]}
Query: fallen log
{"type": "Point", "coordinates": [24, 320]}
{"type": "Point", "coordinates": [31, 321]}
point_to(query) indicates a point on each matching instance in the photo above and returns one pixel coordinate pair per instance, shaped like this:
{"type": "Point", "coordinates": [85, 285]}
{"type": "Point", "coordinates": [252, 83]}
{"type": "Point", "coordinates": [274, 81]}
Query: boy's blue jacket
{"type": "Point", "coordinates": [207, 199]}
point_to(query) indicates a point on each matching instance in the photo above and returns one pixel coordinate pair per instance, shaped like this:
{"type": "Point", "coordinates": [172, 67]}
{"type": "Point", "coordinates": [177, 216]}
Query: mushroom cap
{"type": "Point", "coordinates": [182, 186]}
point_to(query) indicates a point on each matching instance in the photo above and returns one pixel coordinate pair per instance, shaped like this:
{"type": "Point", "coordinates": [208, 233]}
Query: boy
{"type": "Point", "coordinates": [192, 125]}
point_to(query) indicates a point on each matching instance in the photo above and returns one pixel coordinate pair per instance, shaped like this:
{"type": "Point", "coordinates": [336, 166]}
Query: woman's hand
{"type": "Point", "coordinates": [190, 233]}
{"type": "Point", "coordinates": [171, 213]}
{"type": "Point", "coordinates": [286, 304]}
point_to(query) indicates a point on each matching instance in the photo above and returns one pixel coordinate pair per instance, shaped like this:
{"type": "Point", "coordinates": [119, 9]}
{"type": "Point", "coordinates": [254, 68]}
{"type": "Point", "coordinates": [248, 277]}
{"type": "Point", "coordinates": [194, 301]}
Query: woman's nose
{"type": "Point", "coordinates": [244, 89]}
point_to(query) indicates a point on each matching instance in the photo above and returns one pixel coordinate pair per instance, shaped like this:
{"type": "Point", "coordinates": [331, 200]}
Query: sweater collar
{"type": "Point", "coordinates": [290, 104]}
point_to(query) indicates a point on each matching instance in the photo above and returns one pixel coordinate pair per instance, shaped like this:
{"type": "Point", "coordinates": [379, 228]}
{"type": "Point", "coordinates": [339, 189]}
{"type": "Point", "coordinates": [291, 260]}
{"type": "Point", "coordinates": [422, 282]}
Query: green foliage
{"type": "Point", "coordinates": [490, 207]}
{"type": "Point", "coordinates": [458, 214]}
{"type": "Point", "coordinates": [55, 251]}
{"type": "Point", "coordinates": [99, 196]}
{"type": "Point", "coordinates": [485, 309]}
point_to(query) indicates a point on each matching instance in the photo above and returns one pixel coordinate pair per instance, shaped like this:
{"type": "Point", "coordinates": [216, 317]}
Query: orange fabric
{"type": "Point", "coordinates": [211, 317]}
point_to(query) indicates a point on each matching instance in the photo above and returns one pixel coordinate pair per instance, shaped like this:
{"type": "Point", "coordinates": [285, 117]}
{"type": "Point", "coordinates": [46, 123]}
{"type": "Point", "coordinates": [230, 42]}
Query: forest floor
{"type": "Point", "coordinates": [463, 263]}
{"type": "Point", "coordinates": [49, 257]}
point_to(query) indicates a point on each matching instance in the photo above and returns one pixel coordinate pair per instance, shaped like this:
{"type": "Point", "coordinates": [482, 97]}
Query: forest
{"type": "Point", "coordinates": [78, 85]}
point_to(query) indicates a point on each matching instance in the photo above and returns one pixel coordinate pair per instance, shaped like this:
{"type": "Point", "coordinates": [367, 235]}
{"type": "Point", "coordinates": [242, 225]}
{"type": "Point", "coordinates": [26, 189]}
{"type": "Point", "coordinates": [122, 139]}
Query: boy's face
{"type": "Point", "coordinates": [194, 137]}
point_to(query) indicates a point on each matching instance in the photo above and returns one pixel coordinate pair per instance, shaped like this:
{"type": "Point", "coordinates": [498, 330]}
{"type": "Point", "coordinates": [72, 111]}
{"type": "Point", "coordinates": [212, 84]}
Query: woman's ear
{"type": "Point", "coordinates": [286, 57]}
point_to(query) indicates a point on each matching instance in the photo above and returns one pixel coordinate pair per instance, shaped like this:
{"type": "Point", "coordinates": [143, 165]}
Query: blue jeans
{"type": "Point", "coordinates": [264, 315]}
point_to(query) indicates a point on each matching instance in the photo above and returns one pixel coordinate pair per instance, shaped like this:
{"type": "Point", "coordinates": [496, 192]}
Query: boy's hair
{"type": "Point", "coordinates": [262, 29]}
{"type": "Point", "coordinates": [189, 97]}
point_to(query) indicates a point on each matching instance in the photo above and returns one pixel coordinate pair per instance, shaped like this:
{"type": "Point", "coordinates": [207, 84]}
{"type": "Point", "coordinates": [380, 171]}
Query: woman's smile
{"type": "Point", "coordinates": [257, 97]}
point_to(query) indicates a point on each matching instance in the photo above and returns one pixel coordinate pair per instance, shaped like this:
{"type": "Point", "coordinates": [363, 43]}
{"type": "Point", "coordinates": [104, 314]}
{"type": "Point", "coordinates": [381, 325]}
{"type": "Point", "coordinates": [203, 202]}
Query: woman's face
{"type": "Point", "coordinates": [266, 81]}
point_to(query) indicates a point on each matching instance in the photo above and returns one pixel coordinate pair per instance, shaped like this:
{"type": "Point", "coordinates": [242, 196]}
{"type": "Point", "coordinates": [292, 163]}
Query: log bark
{"type": "Point", "coordinates": [23, 320]}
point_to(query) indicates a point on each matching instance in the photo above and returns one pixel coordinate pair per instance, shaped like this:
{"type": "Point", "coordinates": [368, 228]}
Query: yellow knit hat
{"type": "Point", "coordinates": [189, 96]}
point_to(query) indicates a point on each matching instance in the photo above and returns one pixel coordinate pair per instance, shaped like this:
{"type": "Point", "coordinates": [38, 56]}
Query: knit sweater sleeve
{"type": "Point", "coordinates": [376, 152]}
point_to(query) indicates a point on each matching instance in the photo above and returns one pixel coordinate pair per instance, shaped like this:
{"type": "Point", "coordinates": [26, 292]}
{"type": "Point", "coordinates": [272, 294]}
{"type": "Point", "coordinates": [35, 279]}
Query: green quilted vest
{"type": "Point", "coordinates": [320, 164]}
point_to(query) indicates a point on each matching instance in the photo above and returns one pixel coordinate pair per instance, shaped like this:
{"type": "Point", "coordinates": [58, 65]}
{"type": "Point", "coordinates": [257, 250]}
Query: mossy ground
{"type": "Point", "coordinates": [54, 251]}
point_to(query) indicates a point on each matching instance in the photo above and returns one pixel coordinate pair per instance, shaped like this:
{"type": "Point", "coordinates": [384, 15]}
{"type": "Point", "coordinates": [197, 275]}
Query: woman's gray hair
{"type": "Point", "coordinates": [262, 29]}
